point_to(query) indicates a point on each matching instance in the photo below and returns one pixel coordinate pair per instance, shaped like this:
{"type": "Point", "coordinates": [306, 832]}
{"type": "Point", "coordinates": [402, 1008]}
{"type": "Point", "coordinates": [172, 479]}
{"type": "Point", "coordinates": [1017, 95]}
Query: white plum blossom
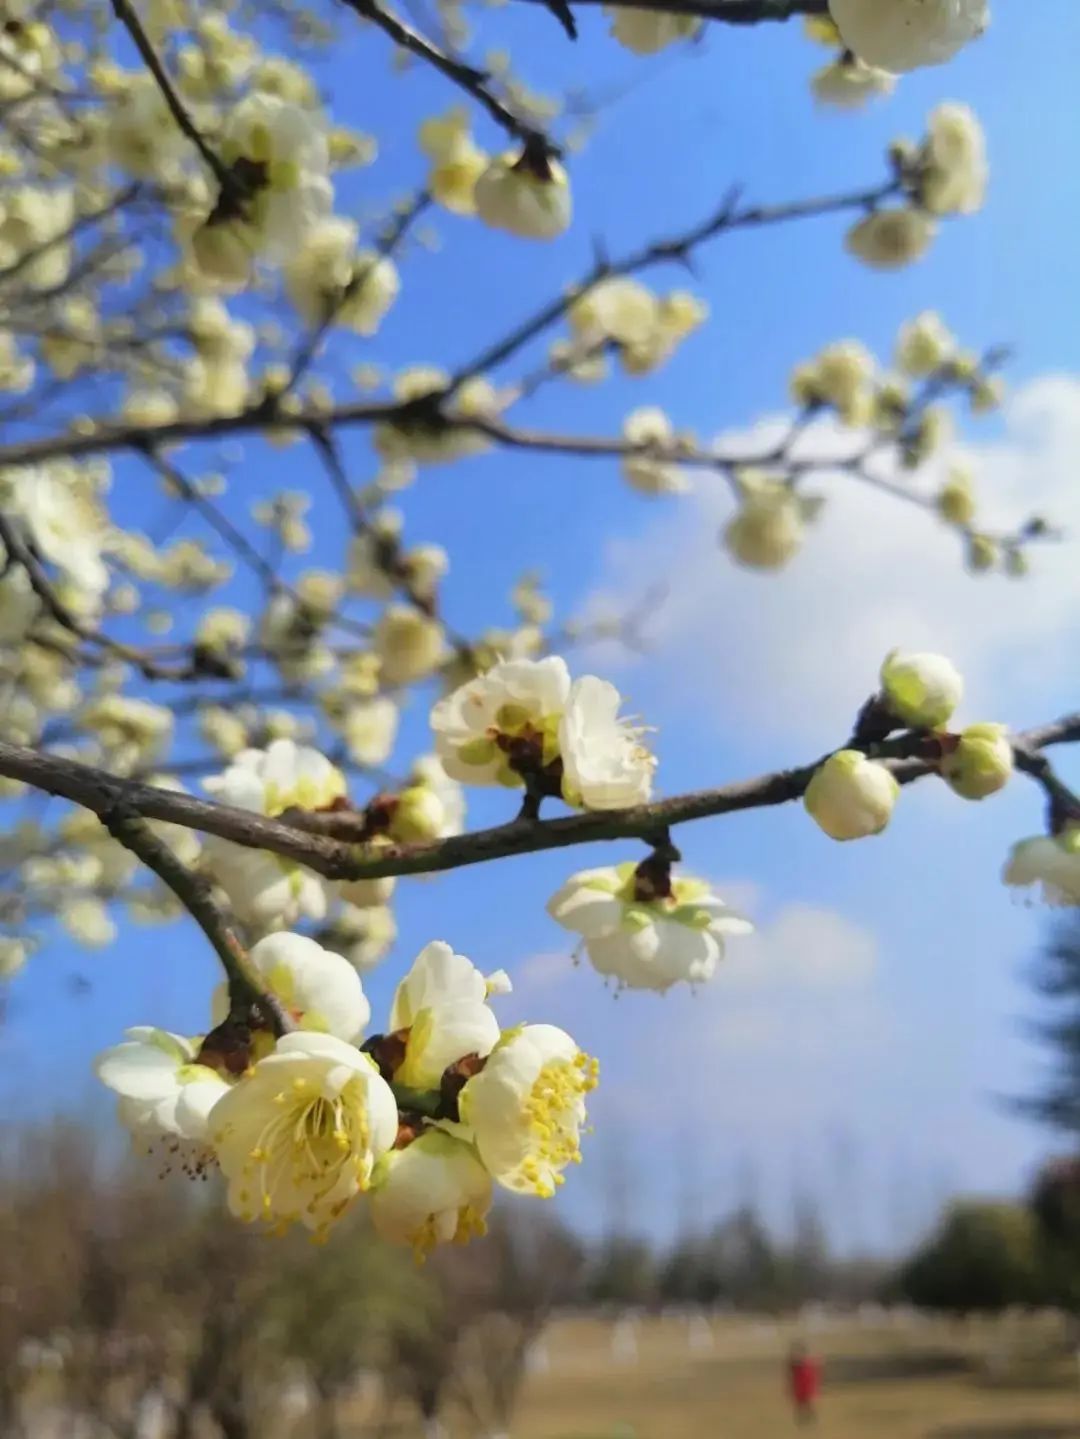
{"type": "Point", "coordinates": [165, 1094]}
{"type": "Point", "coordinates": [516, 702]}
{"type": "Point", "coordinates": [901, 35]}
{"type": "Point", "coordinates": [409, 643]}
{"type": "Point", "coordinates": [525, 1110]}
{"type": "Point", "coordinates": [646, 32]}
{"type": "Point", "coordinates": [848, 83]}
{"type": "Point", "coordinates": [19, 604]}
{"type": "Point", "coordinates": [429, 772]}
{"type": "Point", "coordinates": [35, 226]}
{"type": "Point", "coordinates": [922, 690]}
{"type": "Point", "coordinates": [768, 529]}
{"type": "Point", "coordinates": [143, 137]}
{"type": "Point", "coordinates": [980, 763]}
{"type": "Point", "coordinates": [924, 344]}
{"type": "Point", "coordinates": [644, 941]}
{"type": "Point", "coordinates": [891, 238]}
{"type": "Point", "coordinates": [644, 472]}
{"type": "Point", "coordinates": [282, 151]}
{"type": "Point", "coordinates": [442, 1003]}
{"type": "Point", "coordinates": [605, 765]}
{"type": "Point", "coordinates": [457, 160]}
{"type": "Point", "coordinates": [434, 1191]}
{"type": "Point", "coordinates": [330, 278]}
{"type": "Point", "coordinates": [369, 728]}
{"type": "Point", "coordinates": [13, 956]}
{"type": "Point", "coordinates": [522, 716]}
{"type": "Point", "coordinates": [1051, 862]}
{"type": "Point", "coordinates": [87, 919]}
{"type": "Point", "coordinates": [850, 796]}
{"type": "Point", "coordinates": [298, 1136]}
{"type": "Point", "coordinates": [363, 935]}
{"type": "Point", "coordinates": [620, 309]}
{"type": "Point", "coordinates": [63, 520]}
{"type": "Point", "coordinates": [317, 989]}
{"type": "Point", "coordinates": [527, 195]}
{"type": "Point", "coordinates": [955, 169]}
{"type": "Point", "coordinates": [266, 889]}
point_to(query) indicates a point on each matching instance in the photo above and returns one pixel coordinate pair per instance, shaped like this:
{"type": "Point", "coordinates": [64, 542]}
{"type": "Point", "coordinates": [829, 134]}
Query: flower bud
{"type": "Point", "coordinates": [528, 195]}
{"type": "Point", "coordinates": [981, 763]}
{"type": "Point", "coordinates": [982, 554]}
{"type": "Point", "coordinates": [987, 394]}
{"type": "Point", "coordinates": [956, 498]}
{"type": "Point", "coordinates": [922, 690]}
{"type": "Point", "coordinates": [891, 239]}
{"type": "Point", "coordinates": [902, 35]}
{"type": "Point", "coordinates": [850, 796]}
{"type": "Point", "coordinates": [223, 252]}
{"type": "Point", "coordinates": [923, 345]}
{"type": "Point", "coordinates": [418, 817]}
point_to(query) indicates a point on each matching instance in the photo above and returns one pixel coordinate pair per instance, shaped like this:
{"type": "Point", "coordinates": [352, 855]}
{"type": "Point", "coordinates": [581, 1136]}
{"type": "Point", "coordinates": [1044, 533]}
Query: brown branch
{"type": "Point", "coordinates": [727, 12]}
{"type": "Point", "coordinates": [21, 554]}
{"type": "Point", "coordinates": [385, 246]}
{"type": "Point", "coordinates": [242, 547]}
{"type": "Point", "coordinates": [193, 891]}
{"type": "Point", "coordinates": [125, 13]}
{"type": "Point", "coordinates": [467, 77]}
{"type": "Point", "coordinates": [82, 222]}
{"type": "Point", "coordinates": [110, 434]}
{"type": "Point", "coordinates": [676, 248]}
{"type": "Point", "coordinates": [338, 860]}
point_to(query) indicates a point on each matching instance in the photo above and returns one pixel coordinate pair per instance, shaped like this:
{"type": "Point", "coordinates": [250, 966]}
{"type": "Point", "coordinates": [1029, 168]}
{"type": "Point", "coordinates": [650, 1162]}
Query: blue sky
{"type": "Point", "coordinates": [863, 1036]}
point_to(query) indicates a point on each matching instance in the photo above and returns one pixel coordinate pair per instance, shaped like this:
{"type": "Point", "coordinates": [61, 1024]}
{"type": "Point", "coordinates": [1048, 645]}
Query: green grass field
{"type": "Point", "coordinates": [921, 1380]}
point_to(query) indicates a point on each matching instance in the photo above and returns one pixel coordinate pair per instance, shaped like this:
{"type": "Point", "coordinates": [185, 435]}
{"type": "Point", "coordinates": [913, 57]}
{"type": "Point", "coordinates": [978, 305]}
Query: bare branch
{"type": "Point", "coordinates": [677, 248]}
{"type": "Point", "coordinates": [303, 837]}
{"type": "Point", "coordinates": [726, 12]}
{"type": "Point", "coordinates": [467, 77]}
{"type": "Point", "coordinates": [194, 893]}
{"type": "Point", "coordinates": [109, 434]}
{"type": "Point", "coordinates": [125, 13]}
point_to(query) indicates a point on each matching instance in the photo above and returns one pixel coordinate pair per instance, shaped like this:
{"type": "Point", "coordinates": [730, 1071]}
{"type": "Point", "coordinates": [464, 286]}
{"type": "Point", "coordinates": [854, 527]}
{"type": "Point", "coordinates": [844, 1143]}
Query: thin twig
{"type": "Point", "coordinates": [467, 77]}
{"type": "Point", "coordinates": [385, 246]}
{"type": "Point", "coordinates": [132, 24]}
{"type": "Point", "coordinates": [109, 434]}
{"type": "Point", "coordinates": [21, 554]}
{"type": "Point", "coordinates": [676, 248]}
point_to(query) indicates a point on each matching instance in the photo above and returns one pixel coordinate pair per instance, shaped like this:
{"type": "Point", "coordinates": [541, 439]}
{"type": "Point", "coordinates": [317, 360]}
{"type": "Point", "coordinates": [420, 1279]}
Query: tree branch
{"type": "Point", "coordinates": [305, 837]}
{"type": "Point", "coordinates": [727, 12]}
{"type": "Point", "coordinates": [193, 891]}
{"type": "Point", "coordinates": [675, 248]}
{"type": "Point", "coordinates": [125, 13]}
{"type": "Point", "coordinates": [467, 77]}
{"type": "Point", "coordinates": [109, 434]}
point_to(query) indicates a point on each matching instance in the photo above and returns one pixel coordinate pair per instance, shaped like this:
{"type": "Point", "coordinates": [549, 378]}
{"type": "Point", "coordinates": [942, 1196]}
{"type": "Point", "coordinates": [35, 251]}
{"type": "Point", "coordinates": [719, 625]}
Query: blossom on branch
{"type": "Point", "coordinates": [850, 796]}
{"type": "Point", "coordinates": [643, 939]}
{"type": "Point", "coordinates": [266, 890]}
{"type": "Point", "coordinates": [902, 35]}
{"type": "Point", "coordinates": [525, 1110]}
{"type": "Point", "coordinates": [298, 1136]}
{"type": "Point", "coordinates": [434, 1191]}
{"type": "Point", "coordinates": [524, 724]}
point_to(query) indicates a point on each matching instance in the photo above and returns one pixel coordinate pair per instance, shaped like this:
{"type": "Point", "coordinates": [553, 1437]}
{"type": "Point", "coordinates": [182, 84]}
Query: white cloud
{"type": "Point", "coordinates": [805, 946]}
{"type": "Point", "coordinates": [775, 1038]}
{"type": "Point", "coordinates": [793, 655]}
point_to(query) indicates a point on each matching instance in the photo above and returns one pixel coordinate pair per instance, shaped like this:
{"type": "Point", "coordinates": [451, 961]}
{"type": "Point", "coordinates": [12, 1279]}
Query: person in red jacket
{"type": "Point", "coordinates": [804, 1384]}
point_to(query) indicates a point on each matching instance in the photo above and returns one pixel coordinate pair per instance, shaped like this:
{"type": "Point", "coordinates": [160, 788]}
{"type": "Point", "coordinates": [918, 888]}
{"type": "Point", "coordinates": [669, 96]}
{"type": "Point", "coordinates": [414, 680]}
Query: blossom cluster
{"type": "Point", "coordinates": [852, 795]}
{"type": "Point", "coordinates": [424, 1119]}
